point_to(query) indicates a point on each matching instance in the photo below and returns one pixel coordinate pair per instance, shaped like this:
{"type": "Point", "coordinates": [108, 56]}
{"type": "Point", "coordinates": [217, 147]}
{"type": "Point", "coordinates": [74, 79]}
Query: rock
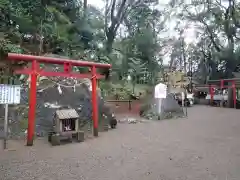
{"type": "Point", "coordinates": [169, 109]}
{"type": "Point", "coordinates": [132, 120]}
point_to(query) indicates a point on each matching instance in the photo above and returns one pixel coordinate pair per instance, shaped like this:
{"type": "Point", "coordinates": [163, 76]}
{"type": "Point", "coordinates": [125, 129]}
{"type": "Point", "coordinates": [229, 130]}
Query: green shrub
{"type": "Point", "coordinates": [112, 91]}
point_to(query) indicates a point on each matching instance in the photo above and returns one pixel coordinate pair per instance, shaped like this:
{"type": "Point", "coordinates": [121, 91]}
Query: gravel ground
{"type": "Point", "coordinates": [204, 146]}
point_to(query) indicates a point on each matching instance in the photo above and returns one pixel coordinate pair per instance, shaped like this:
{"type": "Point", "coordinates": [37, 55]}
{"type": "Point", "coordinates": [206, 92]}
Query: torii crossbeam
{"type": "Point", "coordinates": [67, 64]}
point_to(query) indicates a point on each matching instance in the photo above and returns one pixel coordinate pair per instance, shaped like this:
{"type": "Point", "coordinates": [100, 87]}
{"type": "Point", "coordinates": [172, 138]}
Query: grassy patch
{"type": "Point", "coordinates": [23, 124]}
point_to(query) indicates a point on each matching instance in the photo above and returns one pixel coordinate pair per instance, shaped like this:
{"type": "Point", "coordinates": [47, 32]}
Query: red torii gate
{"type": "Point", "coordinates": [220, 83]}
{"type": "Point", "coordinates": [35, 71]}
{"type": "Point", "coordinates": [222, 86]}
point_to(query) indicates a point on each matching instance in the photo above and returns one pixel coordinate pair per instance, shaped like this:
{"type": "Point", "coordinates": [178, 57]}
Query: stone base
{"type": "Point", "coordinates": [80, 136]}
{"type": "Point", "coordinates": [55, 140]}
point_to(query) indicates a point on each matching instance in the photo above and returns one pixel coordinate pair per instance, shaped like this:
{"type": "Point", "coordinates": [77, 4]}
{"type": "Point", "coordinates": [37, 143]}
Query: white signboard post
{"type": "Point", "coordinates": [9, 94]}
{"type": "Point", "coordinates": [160, 93]}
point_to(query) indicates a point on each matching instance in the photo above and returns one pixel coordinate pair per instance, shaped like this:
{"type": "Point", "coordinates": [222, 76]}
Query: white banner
{"type": "Point", "coordinates": [10, 94]}
{"type": "Point", "coordinates": [160, 91]}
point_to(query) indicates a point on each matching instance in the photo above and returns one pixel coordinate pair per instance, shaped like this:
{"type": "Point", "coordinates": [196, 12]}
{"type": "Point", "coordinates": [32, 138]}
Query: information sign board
{"type": "Point", "coordinates": [10, 94]}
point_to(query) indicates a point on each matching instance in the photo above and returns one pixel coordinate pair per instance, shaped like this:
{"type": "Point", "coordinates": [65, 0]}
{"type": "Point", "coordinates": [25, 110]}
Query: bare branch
{"type": "Point", "coordinates": [208, 29]}
{"type": "Point", "coordinates": [106, 15]}
{"type": "Point", "coordinates": [113, 2]}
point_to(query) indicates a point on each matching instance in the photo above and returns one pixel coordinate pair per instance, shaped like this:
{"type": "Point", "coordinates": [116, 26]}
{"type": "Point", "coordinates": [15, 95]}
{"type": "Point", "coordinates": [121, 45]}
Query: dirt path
{"type": "Point", "coordinates": [205, 146]}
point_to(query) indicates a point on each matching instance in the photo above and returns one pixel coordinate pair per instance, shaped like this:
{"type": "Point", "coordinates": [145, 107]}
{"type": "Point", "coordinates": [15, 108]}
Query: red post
{"type": "Point", "coordinates": [211, 94]}
{"type": "Point", "coordinates": [222, 84]}
{"type": "Point", "coordinates": [32, 103]}
{"type": "Point", "coordinates": [94, 101]}
{"type": "Point", "coordinates": [234, 94]}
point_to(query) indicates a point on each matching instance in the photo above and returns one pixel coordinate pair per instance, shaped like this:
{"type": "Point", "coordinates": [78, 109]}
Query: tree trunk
{"type": "Point", "coordinates": [230, 66]}
{"type": "Point", "coordinates": [85, 10]}
{"type": "Point", "coordinates": [109, 43]}
{"type": "Point", "coordinates": [230, 69]}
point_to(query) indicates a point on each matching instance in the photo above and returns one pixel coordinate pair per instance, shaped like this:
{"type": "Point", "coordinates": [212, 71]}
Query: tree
{"type": "Point", "coordinates": [218, 20]}
{"type": "Point", "coordinates": [80, 31]}
{"type": "Point", "coordinates": [115, 12]}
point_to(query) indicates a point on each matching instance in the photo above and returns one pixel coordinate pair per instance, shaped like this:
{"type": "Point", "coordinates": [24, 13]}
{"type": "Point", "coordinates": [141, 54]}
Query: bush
{"type": "Point", "coordinates": [114, 91]}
